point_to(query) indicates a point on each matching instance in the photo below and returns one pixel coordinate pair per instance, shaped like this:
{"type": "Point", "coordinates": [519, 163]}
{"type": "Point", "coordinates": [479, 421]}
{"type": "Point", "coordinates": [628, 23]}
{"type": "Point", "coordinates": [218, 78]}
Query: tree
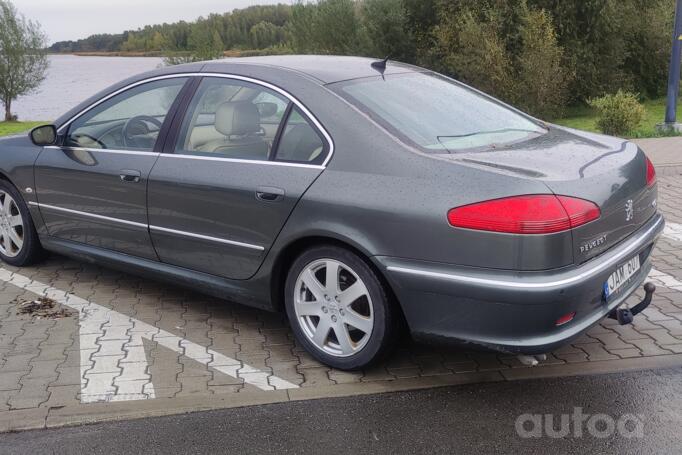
{"type": "Point", "coordinates": [594, 35]}
{"type": "Point", "coordinates": [507, 49]}
{"type": "Point", "coordinates": [649, 45]}
{"type": "Point", "coordinates": [330, 27]}
{"type": "Point", "coordinates": [204, 43]}
{"type": "Point", "coordinates": [474, 50]}
{"type": "Point", "coordinates": [422, 17]}
{"type": "Point", "coordinates": [386, 26]}
{"type": "Point", "coordinates": [23, 61]}
{"type": "Point", "coordinates": [540, 55]}
{"type": "Point", "coordinates": [542, 79]}
{"type": "Point", "coordinates": [265, 34]}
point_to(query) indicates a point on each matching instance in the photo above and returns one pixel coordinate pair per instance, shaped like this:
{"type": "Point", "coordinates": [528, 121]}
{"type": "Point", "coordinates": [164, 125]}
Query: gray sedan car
{"type": "Point", "coordinates": [358, 196]}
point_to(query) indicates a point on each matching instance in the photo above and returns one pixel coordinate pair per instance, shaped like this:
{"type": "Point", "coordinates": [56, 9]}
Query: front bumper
{"type": "Point", "coordinates": [509, 311]}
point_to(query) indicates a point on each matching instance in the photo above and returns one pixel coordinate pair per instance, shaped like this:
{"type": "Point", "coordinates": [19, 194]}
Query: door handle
{"type": "Point", "coordinates": [129, 175]}
{"type": "Point", "coordinates": [269, 194]}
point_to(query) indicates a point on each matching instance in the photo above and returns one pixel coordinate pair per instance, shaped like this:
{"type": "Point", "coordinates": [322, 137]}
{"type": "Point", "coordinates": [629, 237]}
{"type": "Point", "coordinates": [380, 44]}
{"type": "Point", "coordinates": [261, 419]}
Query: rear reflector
{"type": "Point", "coordinates": [530, 214]}
{"type": "Point", "coordinates": [650, 173]}
{"type": "Point", "coordinates": [565, 319]}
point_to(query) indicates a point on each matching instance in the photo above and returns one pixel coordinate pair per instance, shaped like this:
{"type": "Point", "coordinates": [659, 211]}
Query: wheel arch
{"type": "Point", "coordinates": [5, 177]}
{"type": "Point", "coordinates": [35, 215]}
{"type": "Point", "coordinates": [288, 254]}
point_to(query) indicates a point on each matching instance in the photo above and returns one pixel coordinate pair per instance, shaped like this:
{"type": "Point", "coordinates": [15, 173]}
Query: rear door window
{"type": "Point", "coordinates": [231, 118]}
{"type": "Point", "coordinates": [300, 142]}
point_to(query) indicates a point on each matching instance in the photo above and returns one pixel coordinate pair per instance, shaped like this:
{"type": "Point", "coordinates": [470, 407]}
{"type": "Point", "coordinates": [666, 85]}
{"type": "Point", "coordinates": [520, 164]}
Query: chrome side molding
{"type": "Point", "coordinates": [206, 237]}
{"type": "Point", "coordinates": [86, 214]}
{"type": "Point", "coordinates": [629, 247]}
{"type": "Point", "coordinates": [150, 227]}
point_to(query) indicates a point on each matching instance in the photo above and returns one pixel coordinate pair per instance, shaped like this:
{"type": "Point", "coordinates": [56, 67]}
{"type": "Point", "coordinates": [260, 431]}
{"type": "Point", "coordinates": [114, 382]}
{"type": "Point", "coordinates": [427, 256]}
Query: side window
{"type": "Point", "coordinates": [232, 119]}
{"type": "Point", "coordinates": [130, 120]}
{"type": "Point", "coordinates": [270, 107]}
{"type": "Point", "coordinates": [300, 142]}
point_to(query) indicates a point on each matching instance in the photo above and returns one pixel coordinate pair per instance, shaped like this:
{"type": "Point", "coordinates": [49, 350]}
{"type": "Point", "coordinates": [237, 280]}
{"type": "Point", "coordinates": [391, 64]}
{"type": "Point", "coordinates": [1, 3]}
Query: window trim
{"type": "Point", "coordinates": [163, 131]}
{"type": "Point", "coordinates": [280, 133]}
{"type": "Point", "coordinates": [188, 110]}
{"type": "Point", "coordinates": [313, 120]}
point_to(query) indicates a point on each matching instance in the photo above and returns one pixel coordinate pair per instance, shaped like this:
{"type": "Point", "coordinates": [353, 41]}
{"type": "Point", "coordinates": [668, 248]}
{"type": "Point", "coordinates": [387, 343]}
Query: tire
{"type": "Point", "coordinates": [19, 244]}
{"type": "Point", "coordinates": [347, 331]}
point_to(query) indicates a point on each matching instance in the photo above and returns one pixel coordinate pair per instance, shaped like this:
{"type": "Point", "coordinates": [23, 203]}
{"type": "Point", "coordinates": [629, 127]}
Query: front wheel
{"type": "Point", "coordinates": [19, 244]}
{"type": "Point", "coordinates": [338, 308]}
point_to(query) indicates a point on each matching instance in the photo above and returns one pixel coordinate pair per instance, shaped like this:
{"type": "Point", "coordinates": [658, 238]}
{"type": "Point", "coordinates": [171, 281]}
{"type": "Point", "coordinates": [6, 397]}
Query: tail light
{"type": "Point", "coordinates": [650, 173]}
{"type": "Point", "coordinates": [530, 214]}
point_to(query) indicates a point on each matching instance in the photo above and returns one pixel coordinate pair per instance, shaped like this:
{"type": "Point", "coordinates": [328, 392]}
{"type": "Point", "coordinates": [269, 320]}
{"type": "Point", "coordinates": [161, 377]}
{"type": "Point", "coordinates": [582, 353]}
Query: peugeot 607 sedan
{"type": "Point", "coordinates": [359, 196]}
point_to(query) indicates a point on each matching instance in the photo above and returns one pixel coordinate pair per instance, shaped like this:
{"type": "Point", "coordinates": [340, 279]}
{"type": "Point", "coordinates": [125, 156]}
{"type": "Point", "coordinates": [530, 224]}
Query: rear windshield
{"type": "Point", "coordinates": [438, 114]}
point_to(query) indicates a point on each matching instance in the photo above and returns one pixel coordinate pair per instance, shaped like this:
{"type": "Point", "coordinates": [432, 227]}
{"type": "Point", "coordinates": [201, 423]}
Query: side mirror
{"type": "Point", "coordinates": [267, 109]}
{"type": "Point", "coordinates": [44, 135]}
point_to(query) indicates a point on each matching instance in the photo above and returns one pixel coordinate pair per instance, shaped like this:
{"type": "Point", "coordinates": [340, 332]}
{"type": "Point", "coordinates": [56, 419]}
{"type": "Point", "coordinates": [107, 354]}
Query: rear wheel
{"type": "Point", "coordinates": [19, 244]}
{"type": "Point", "coordinates": [338, 308]}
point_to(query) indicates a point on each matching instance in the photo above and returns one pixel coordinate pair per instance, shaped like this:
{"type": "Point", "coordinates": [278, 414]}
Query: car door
{"type": "Point", "coordinates": [92, 188]}
{"type": "Point", "coordinates": [220, 194]}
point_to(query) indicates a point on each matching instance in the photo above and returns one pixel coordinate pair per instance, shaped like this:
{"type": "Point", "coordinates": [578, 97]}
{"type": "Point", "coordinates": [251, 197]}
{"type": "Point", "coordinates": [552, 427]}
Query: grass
{"type": "Point", "coordinates": [585, 118]}
{"type": "Point", "coordinates": [7, 128]}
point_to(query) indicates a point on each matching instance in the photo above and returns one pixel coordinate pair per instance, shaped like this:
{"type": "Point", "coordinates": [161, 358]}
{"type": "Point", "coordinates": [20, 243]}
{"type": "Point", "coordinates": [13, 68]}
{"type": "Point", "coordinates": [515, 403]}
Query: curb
{"type": "Point", "coordinates": [40, 418]}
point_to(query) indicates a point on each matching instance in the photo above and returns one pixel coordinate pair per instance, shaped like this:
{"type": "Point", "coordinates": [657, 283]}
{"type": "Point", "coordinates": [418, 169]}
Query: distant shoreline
{"type": "Point", "coordinates": [110, 54]}
{"type": "Point", "coordinates": [160, 54]}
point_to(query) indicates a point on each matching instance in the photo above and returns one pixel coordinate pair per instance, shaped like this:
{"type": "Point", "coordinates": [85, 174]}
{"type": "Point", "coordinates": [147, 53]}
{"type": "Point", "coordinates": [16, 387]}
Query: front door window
{"type": "Point", "coordinates": [129, 121]}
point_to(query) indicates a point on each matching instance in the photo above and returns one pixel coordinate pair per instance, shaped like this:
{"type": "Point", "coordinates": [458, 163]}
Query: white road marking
{"type": "Point", "coordinates": [663, 279]}
{"type": "Point", "coordinates": [113, 362]}
{"type": "Point", "coordinates": [673, 231]}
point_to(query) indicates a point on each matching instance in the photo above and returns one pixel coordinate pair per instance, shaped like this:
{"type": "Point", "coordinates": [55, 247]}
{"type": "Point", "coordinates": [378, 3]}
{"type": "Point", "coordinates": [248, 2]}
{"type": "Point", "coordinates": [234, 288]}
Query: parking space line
{"type": "Point", "coordinates": [663, 279]}
{"type": "Point", "coordinates": [673, 231]}
{"type": "Point", "coordinates": [113, 362]}
{"type": "Point", "coordinates": [114, 365]}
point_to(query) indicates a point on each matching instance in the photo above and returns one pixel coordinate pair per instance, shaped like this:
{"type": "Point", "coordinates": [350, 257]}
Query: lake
{"type": "Point", "coordinates": [71, 79]}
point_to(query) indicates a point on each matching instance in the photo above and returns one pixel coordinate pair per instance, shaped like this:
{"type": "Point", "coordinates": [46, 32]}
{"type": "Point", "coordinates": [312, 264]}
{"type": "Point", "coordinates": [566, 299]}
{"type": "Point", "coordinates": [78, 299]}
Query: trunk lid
{"type": "Point", "coordinates": [607, 171]}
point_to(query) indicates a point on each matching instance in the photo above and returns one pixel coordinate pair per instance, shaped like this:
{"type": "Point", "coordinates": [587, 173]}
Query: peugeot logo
{"type": "Point", "coordinates": [629, 210]}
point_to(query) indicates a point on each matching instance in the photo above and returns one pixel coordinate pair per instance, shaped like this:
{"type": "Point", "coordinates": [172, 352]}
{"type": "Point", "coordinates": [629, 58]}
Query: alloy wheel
{"type": "Point", "coordinates": [333, 307]}
{"type": "Point", "coordinates": [11, 226]}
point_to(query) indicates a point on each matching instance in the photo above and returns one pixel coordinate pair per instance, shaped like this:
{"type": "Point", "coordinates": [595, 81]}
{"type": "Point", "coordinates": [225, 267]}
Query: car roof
{"type": "Point", "coordinates": [324, 68]}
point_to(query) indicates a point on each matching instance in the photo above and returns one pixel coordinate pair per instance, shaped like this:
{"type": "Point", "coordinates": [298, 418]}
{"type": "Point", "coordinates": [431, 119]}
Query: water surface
{"type": "Point", "coordinates": [71, 79]}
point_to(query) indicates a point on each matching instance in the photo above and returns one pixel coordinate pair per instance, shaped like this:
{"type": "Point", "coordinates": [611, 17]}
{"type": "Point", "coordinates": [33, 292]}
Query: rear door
{"type": "Point", "coordinates": [221, 191]}
{"type": "Point", "coordinates": [92, 189]}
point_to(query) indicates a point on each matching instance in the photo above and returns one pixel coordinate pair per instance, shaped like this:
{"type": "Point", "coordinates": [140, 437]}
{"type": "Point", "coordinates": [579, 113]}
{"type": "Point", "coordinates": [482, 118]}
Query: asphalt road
{"type": "Point", "coordinates": [466, 419]}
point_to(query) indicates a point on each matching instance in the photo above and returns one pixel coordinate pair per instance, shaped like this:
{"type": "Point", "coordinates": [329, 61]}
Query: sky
{"type": "Point", "coordinates": [74, 19]}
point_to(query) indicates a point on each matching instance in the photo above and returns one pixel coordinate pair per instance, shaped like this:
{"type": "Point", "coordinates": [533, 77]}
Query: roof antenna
{"type": "Point", "coordinates": [381, 65]}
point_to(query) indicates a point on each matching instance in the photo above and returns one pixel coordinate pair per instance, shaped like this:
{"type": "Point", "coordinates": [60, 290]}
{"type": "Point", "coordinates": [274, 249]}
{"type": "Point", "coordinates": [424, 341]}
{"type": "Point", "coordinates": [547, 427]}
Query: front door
{"type": "Point", "coordinates": [220, 193]}
{"type": "Point", "coordinates": [92, 189]}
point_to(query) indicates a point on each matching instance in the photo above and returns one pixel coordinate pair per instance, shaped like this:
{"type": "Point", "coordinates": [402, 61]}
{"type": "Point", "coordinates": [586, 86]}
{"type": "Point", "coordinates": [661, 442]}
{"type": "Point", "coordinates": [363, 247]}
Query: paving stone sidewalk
{"type": "Point", "coordinates": [161, 349]}
{"type": "Point", "coordinates": [665, 153]}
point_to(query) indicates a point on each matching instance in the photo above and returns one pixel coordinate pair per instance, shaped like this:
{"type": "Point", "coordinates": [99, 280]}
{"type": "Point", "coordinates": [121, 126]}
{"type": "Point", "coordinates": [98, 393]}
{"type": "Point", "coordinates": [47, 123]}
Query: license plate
{"type": "Point", "coordinates": [621, 276]}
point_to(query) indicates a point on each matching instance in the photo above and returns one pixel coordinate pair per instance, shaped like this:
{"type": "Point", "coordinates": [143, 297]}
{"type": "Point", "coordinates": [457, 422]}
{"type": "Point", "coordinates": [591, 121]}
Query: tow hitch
{"type": "Point", "coordinates": [625, 316]}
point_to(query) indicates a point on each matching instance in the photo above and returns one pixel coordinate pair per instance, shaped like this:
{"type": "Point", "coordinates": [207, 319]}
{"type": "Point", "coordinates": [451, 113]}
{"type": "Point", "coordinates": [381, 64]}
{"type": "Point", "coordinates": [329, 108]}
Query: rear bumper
{"type": "Point", "coordinates": [513, 311]}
